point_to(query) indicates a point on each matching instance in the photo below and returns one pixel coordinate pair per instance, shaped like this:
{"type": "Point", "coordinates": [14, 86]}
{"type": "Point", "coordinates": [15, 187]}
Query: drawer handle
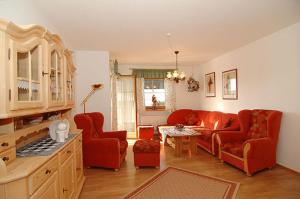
{"type": "Point", "coordinates": [4, 144]}
{"type": "Point", "coordinates": [48, 171]}
{"type": "Point", "coordinates": [65, 190]}
{"type": "Point", "coordinates": [5, 158]}
{"type": "Point", "coordinates": [69, 151]}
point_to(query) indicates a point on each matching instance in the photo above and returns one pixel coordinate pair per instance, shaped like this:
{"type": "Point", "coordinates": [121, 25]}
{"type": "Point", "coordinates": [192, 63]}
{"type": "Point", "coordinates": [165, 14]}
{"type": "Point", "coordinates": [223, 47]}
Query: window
{"type": "Point", "coordinates": [154, 89]}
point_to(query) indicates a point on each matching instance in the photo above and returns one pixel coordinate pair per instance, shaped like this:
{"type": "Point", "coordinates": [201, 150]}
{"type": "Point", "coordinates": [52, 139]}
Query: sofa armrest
{"type": "Point", "coordinates": [104, 145]}
{"type": "Point", "coordinates": [261, 148]}
{"type": "Point", "coordinates": [230, 136]}
{"type": "Point", "coordinates": [121, 135]}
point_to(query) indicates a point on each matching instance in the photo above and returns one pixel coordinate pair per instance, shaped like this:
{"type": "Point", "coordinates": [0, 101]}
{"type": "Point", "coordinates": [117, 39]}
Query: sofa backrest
{"type": "Point", "coordinates": [179, 116]}
{"type": "Point", "coordinates": [229, 120]}
{"type": "Point", "coordinates": [213, 120]}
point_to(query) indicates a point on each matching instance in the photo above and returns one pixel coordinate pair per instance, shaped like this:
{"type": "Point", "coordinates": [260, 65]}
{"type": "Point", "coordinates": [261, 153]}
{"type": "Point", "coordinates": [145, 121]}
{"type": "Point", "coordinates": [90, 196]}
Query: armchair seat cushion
{"type": "Point", "coordinates": [123, 146]}
{"type": "Point", "coordinates": [234, 148]}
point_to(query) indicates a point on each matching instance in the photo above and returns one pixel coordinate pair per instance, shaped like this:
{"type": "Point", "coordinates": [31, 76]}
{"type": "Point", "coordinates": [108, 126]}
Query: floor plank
{"type": "Point", "coordinates": [276, 183]}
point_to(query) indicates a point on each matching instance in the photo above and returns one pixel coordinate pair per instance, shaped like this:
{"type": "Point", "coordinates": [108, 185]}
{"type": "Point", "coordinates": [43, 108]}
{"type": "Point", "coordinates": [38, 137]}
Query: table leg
{"type": "Point", "coordinates": [193, 144]}
{"type": "Point", "coordinates": [178, 146]}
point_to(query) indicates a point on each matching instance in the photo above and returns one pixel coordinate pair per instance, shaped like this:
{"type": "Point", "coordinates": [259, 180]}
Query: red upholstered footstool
{"type": "Point", "coordinates": [146, 153]}
{"type": "Point", "coordinates": [145, 132]}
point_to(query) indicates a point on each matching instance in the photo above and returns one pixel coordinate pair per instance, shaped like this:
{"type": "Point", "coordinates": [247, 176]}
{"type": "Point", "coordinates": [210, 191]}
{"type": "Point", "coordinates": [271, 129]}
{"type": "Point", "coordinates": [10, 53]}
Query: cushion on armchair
{"type": "Point", "coordinates": [191, 118]}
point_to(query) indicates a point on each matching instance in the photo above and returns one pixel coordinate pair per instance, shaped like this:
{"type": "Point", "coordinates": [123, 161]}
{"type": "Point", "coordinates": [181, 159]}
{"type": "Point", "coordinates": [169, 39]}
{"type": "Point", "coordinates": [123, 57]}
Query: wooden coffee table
{"type": "Point", "coordinates": [179, 136]}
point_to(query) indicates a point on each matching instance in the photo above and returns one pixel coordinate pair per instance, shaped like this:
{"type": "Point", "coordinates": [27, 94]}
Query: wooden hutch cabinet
{"type": "Point", "coordinates": [36, 88]}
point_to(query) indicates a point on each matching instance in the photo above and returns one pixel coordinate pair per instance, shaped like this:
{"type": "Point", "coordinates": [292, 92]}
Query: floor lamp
{"type": "Point", "coordinates": [94, 88]}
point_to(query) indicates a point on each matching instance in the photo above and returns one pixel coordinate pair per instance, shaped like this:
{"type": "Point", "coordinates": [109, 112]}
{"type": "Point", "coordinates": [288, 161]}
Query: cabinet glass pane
{"type": "Point", "coordinates": [58, 63]}
{"type": "Point", "coordinates": [22, 65]}
{"type": "Point", "coordinates": [35, 64]}
{"type": "Point", "coordinates": [23, 90]}
{"type": "Point", "coordinates": [53, 59]}
{"type": "Point", "coordinates": [53, 89]}
{"type": "Point", "coordinates": [35, 91]}
{"type": "Point", "coordinates": [59, 89]}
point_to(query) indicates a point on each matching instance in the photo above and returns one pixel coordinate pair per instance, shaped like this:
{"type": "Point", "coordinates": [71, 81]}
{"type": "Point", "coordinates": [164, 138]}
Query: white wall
{"type": "Point", "coordinates": [93, 67]}
{"type": "Point", "coordinates": [184, 99]}
{"type": "Point", "coordinates": [24, 12]}
{"type": "Point", "coordinates": [268, 78]}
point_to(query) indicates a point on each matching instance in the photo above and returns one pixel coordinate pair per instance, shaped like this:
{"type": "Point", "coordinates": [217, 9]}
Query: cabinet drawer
{"type": "Point", "coordinates": [42, 174]}
{"type": "Point", "coordinates": [6, 142]}
{"type": "Point", "coordinates": [66, 152]}
{"type": "Point", "coordinates": [9, 155]}
{"type": "Point", "coordinates": [49, 190]}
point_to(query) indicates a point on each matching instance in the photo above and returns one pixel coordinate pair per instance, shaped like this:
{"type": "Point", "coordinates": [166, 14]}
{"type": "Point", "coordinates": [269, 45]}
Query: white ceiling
{"type": "Point", "coordinates": [134, 30]}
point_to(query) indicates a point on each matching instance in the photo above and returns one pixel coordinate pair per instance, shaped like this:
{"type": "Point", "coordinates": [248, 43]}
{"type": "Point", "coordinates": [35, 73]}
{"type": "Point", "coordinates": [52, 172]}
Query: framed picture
{"type": "Point", "coordinates": [230, 84]}
{"type": "Point", "coordinates": [210, 85]}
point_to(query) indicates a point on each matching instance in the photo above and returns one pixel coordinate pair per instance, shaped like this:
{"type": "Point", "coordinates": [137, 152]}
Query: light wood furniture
{"type": "Point", "coordinates": [39, 176]}
{"type": "Point", "coordinates": [180, 138]}
{"type": "Point", "coordinates": [36, 71]}
{"type": "Point", "coordinates": [36, 78]}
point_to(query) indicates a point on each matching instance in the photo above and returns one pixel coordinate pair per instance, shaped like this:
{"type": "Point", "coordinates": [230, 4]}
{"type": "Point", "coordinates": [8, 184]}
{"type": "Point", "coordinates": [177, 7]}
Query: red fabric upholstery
{"type": "Point", "coordinates": [146, 146]}
{"type": "Point", "coordinates": [178, 116]}
{"type": "Point", "coordinates": [255, 144]}
{"type": "Point", "coordinates": [145, 132]}
{"type": "Point", "coordinates": [146, 153]}
{"type": "Point", "coordinates": [212, 121]}
{"type": "Point", "coordinates": [102, 149]}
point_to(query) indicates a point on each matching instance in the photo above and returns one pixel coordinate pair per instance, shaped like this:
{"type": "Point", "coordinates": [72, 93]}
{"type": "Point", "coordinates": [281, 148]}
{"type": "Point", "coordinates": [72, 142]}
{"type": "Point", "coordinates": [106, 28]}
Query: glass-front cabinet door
{"type": "Point", "coordinates": [56, 83]}
{"type": "Point", "coordinates": [26, 63]}
{"type": "Point", "coordinates": [70, 70]}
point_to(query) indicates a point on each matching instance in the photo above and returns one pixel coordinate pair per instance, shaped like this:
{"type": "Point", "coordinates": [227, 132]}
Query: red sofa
{"type": "Point", "coordinates": [210, 122]}
{"type": "Point", "coordinates": [101, 149]}
{"type": "Point", "coordinates": [253, 148]}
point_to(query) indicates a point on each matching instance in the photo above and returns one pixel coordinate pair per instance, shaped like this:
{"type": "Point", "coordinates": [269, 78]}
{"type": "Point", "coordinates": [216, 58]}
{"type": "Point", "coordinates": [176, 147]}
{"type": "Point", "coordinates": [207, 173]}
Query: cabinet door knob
{"type": "Point", "coordinates": [4, 144]}
{"type": "Point", "coordinates": [5, 158]}
{"type": "Point", "coordinates": [48, 171]}
{"type": "Point", "coordinates": [43, 73]}
{"type": "Point", "coordinates": [64, 190]}
{"type": "Point", "coordinates": [69, 151]}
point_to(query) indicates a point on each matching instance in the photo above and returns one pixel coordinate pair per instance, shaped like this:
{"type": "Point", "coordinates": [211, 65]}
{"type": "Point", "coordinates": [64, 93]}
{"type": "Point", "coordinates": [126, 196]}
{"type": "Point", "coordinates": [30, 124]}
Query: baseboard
{"type": "Point", "coordinates": [289, 169]}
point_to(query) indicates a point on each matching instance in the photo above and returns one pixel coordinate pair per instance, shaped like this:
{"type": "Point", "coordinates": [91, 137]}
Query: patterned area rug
{"type": "Point", "coordinates": [175, 183]}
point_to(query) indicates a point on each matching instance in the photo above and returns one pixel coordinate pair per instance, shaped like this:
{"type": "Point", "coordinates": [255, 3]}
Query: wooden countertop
{"type": "Point", "coordinates": [22, 167]}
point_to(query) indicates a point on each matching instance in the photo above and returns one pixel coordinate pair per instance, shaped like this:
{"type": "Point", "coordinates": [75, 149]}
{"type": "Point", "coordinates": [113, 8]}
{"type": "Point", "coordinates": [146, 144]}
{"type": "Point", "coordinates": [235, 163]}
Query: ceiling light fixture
{"type": "Point", "coordinates": [176, 76]}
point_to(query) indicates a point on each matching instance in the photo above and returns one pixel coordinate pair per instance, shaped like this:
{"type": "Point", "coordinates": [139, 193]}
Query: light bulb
{"type": "Point", "coordinates": [175, 74]}
{"type": "Point", "coordinates": [182, 75]}
{"type": "Point", "coordinates": [169, 75]}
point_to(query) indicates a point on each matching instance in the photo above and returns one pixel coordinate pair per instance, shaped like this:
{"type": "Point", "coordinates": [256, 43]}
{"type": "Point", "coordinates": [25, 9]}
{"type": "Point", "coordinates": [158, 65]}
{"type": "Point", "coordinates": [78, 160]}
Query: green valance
{"type": "Point", "coordinates": [151, 73]}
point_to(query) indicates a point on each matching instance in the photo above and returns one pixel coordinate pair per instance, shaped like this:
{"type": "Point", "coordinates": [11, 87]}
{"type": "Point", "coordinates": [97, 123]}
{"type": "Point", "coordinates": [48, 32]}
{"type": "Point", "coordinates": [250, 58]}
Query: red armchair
{"type": "Point", "coordinates": [101, 149]}
{"type": "Point", "coordinates": [254, 147]}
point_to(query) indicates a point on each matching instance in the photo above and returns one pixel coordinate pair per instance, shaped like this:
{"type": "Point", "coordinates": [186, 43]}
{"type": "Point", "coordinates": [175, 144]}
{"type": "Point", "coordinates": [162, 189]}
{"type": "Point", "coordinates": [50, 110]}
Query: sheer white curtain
{"type": "Point", "coordinates": [125, 103]}
{"type": "Point", "coordinates": [140, 98]}
{"type": "Point", "coordinates": [170, 95]}
{"type": "Point", "coordinates": [114, 109]}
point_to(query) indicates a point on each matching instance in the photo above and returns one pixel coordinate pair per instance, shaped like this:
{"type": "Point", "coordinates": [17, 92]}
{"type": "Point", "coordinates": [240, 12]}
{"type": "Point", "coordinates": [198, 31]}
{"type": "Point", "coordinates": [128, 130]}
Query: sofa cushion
{"type": "Point", "coordinates": [258, 124]}
{"type": "Point", "coordinates": [146, 146]}
{"type": "Point", "coordinates": [191, 118]}
{"type": "Point", "coordinates": [234, 148]}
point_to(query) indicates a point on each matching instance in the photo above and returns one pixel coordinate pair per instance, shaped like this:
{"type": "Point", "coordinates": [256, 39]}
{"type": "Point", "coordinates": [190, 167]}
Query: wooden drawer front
{"type": "Point", "coordinates": [66, 152]}
{"type": "Point", "coordinates": [79, 142]}
{"type": "Point", "coordinates": [9, 155]}
{"type": "Point", "coordinates": [49, 190]}
{"type": "Point", "coordinates": [6, 142]}
{"type": "Point", "coordinates": [41, 175]}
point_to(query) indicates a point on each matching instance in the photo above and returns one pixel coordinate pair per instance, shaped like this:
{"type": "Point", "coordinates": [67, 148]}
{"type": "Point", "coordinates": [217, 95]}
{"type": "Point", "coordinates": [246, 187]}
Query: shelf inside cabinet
{"type": "Point", "coordinates": [28, 129]}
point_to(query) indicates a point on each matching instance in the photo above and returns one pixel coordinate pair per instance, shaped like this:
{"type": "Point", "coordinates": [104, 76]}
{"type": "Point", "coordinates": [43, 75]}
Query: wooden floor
{"type": "Point", "coordinates": [270, 184]}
